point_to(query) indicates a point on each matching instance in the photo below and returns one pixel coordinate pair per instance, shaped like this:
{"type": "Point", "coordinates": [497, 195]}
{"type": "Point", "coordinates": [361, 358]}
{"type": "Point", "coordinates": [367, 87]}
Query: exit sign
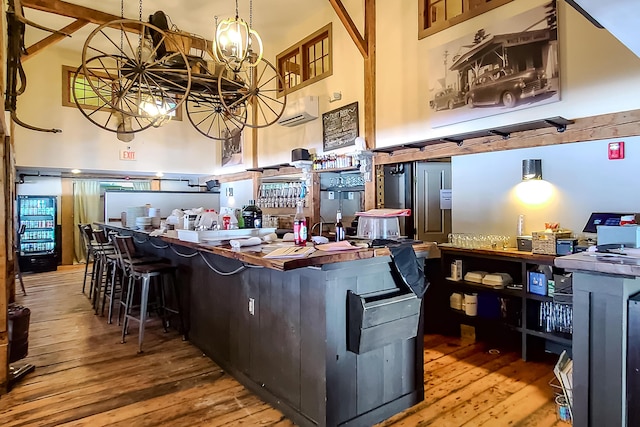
{"type": "Point", "coordinates": [127, 155]}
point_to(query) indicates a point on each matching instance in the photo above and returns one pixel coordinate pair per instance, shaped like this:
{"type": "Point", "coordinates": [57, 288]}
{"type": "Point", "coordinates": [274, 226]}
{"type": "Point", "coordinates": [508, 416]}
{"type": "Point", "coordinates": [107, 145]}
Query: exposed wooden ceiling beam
{"type": "Point", "coordinates": [54, 38]}
{"type": "Point", "coordinates": [93, 16]}
{"type": "Point", "coordinates": [351, 28]}
{"type": "Point", "coordinates": [70, 10]}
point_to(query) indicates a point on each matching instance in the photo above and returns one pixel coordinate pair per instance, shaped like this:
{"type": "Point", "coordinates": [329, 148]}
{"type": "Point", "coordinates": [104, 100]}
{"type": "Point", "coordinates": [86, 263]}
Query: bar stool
{"type": "Point", "coordinates": [104, 261]}
{"type": "Point", "coordinates": [88, 254]}
{"type": "Point", "coordinates": [119, 274]}
{"type": "Point", "coordinates": [144, 273]}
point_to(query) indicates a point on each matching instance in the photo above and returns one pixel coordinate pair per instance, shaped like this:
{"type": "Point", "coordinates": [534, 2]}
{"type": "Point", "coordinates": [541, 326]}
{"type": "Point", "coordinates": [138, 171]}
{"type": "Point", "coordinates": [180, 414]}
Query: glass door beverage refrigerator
{"type": "Point", "coordinates": [37, 233]}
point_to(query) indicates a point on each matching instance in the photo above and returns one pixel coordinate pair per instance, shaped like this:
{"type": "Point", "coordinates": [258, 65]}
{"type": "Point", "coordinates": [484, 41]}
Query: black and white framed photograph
{"type": "Point", "coordinates": [510, 65]}
{"type": "Point", "coordinates": [232, 147]}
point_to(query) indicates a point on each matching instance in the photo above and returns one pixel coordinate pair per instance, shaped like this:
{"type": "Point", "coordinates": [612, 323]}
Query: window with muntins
{"type": "Point", "coordinates": [437, 15]}
{"type": "Point", "coordinates": [98, 99]}
{"type": "Point", "coordinates": [84, 93]}
{"type": "Point", "coordinates": [306, 62]}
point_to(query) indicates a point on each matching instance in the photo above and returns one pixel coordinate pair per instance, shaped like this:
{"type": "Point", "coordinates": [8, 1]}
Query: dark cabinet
{"type": "Point", "coordinates": [510, 316]}
{"type": "Point", "coordinates": [633, 362]}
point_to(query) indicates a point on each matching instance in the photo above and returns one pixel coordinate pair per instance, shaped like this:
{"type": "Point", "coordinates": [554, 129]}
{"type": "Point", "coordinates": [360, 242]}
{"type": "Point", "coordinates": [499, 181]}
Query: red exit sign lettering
{"type": "Point", "coordinates": [127, 155]}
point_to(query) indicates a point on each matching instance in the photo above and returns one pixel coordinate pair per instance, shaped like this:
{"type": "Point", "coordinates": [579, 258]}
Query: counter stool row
{"type": "Point", "coordinates": [121, 273]}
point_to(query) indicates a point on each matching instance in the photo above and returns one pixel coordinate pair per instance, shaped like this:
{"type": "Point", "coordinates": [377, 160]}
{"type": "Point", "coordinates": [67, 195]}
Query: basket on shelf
{"type": "Point", "coordinates": [544, 242]}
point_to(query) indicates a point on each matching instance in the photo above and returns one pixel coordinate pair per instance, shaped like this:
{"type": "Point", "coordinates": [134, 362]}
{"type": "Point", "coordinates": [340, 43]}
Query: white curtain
{"type": "Point", "coordinates": [86, 208]}
{"type": "Point", "coordinates": [142, 185]}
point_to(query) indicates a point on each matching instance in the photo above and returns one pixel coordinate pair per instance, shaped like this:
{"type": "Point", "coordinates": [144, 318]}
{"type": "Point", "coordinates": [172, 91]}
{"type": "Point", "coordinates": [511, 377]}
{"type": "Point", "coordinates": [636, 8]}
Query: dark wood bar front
{"type": "Point", "coordinates": [281, 327]}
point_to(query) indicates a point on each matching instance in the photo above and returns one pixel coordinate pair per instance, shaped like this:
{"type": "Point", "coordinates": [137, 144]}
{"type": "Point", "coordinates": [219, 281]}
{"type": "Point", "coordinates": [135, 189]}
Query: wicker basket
{"type": "Point", "coordinates": [178, 41]}
{"type": "Point", "coordinates": [545, 242]}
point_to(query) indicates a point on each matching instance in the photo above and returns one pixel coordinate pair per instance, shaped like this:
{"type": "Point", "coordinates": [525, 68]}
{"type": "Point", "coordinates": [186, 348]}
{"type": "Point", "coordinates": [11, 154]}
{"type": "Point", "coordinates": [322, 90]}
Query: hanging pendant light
{"type": "Point", "coordinates": [236, 43]}
{"type": "Point", "coordinates": [155, 110]}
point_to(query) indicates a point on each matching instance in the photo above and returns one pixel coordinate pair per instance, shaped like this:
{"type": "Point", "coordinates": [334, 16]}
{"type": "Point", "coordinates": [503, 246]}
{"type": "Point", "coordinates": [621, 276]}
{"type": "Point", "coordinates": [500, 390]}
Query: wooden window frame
{"type": "Point", "coordinates": [67, 98]}
{"type": "Point", "coordinates": [425, 31]}
{"type": "Point", "coordinates": [301, 48]}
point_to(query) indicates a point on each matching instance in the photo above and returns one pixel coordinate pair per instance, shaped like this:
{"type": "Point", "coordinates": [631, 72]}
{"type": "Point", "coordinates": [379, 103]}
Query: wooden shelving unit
{"type": "Point", "coordinates": [520, 320]}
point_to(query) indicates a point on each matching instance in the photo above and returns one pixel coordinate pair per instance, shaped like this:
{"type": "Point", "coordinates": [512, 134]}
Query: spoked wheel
{"type": "Point", "coordinates": [93, 106]}
{"type": "Point", "coordinates": [139, 74]}
{"type": "Point", "coordinates": [257, 87]}
{"type": "Point", "coordinates": [209, 116]}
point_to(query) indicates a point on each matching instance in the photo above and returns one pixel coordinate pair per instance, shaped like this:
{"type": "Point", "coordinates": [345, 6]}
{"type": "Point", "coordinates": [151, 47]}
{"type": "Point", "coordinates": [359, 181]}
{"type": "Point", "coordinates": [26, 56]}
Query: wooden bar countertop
{"type": "Point", "coordinates": [255, 255]}
{"type": "Point", "coordinates": [596, 262]}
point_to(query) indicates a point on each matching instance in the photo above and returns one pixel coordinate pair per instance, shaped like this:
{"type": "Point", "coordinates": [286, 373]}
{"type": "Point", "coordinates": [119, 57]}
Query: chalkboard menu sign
{"type": "Point", "coordinates": [340, 127]}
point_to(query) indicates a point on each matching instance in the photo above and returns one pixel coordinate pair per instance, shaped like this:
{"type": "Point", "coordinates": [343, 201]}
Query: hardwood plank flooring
{"type": "Point", "coordinates": [85, 377]}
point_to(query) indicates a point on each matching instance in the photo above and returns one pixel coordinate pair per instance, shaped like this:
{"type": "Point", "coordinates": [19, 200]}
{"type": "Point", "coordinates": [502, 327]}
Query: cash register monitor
{"type": "Point", "coordinates": [600, 218]}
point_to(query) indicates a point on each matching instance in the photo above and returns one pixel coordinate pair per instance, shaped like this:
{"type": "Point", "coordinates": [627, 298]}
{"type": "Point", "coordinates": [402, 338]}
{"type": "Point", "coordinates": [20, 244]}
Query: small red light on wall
{"type": "Point", "coordinates": [616, 150]}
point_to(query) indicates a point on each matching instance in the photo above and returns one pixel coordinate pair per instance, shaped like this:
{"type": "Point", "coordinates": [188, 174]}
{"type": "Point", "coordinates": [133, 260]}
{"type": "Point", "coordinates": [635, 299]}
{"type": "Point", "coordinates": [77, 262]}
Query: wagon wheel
{"type": "Point", "coordinates": [209, 116]}
{"type": "Point", "coordinates": [97, 110]}
{"type": "Point", "coordinates": [257, 87]}
{"type": "Point", "coordinates": [138, 74]}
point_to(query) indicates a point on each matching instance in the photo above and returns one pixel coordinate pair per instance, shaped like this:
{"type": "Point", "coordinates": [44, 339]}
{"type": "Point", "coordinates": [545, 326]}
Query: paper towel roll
{"type": "Point", "coordinates": [471, 304]}
{"type": "Point", "coordinates": [455, 301]}
{"type": "Point", "coordinates": [251, 241]}
{"type": "Point", "coordinates": [271, 237]}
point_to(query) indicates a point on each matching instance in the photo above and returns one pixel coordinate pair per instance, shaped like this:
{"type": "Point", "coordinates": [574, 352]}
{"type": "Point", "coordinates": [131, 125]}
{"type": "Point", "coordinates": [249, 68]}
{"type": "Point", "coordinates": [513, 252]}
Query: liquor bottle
{"type": "Point", "coordinates": [252, 215]}
{"type": "Point", "coordinates": [299, 226]}
{"type": "Point", "coordinates": [339, 227]}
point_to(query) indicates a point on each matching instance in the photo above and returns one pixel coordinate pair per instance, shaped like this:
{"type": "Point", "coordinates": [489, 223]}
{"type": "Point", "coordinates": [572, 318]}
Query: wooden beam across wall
{"type": "Point", "coordinates": [54, 38]}
{"type": "Point", "coordinates": [93, 16]}
{"type": "Point", "coordinates": [370, 101]}
{"type": "Point", "coordinates": [350, 26]}
{"type": "Point", "coordinates": [367, 46]}
{"type": "Point", "coordinates": [606, 126]}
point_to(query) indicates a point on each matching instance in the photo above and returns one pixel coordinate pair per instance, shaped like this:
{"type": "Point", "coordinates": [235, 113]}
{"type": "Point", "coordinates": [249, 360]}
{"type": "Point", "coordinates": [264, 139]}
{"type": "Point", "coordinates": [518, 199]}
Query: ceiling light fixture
{"type": "Point", "coordinates": [235, 43]}
{"type": "Point", "coordinates": [531, 169]}
{"type": "Point", "coordinates": [76, 171]}
{"type": "Point", "coordinates": [155, 110]}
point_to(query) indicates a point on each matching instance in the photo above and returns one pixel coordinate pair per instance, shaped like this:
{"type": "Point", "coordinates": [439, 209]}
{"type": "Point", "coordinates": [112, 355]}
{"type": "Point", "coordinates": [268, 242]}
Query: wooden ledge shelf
{"type": "Point", "coordinates": [269, 168]}
{"type": "Point", "coordinates": [560, 123]}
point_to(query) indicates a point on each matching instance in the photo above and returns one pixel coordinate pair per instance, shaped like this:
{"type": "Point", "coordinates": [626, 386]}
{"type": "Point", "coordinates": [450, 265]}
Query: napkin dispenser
{"type": "Point", "coordinates": [624, 235]}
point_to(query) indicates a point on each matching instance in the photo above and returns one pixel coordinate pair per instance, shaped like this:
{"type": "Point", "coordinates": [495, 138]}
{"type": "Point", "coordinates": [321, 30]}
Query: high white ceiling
{"type": "Point", "coordinates": [193, 16]}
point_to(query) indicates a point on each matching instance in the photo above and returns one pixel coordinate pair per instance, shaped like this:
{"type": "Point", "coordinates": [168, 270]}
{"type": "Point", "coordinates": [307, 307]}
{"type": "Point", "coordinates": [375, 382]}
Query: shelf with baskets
{"type": "Point", "coordinates": [542, 322]}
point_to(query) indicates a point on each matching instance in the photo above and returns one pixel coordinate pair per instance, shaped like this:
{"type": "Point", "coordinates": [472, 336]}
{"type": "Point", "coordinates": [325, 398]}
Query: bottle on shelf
{"type": "Point", "coordinates": [252, 216]}
{"type": "Point", "coordinates": [299, 226]}
{"type": "Point", "coordinates": [339, 227]}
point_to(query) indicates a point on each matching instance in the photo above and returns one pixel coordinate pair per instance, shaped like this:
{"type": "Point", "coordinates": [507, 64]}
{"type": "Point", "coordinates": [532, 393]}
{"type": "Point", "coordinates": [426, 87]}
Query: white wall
{"type": "Point", "coordinates": [242, 193]}
{"type": "Point", "coordinates": [582, 178]}
{"type": "Point", "coordinates": [599, 75]}
{"type": "Point", "coordinates": [174, 148]}
{"type": "Point", "coordinates": [276, 142]}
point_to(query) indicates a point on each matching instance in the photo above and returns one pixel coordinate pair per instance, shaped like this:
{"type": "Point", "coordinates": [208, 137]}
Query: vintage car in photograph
{"type": "Point", "coordinates": [448, 99]}
{"type": "Point", "coordinates": [503, 86]}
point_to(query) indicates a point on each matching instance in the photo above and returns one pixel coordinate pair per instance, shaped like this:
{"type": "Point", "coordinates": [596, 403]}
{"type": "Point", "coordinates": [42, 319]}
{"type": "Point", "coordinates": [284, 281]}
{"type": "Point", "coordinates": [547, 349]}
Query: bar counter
{"type": "Point", "coordinates": [603, 285]}
{"type": "Point", "coordinates": [330, 339]}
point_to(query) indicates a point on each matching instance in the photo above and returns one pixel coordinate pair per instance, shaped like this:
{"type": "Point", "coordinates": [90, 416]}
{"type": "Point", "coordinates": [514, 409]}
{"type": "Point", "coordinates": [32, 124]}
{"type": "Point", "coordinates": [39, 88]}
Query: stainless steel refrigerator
{"type": "Point", "coordinates": [419, 186]}
{"type": "Point", "coordinates": [37, 237]}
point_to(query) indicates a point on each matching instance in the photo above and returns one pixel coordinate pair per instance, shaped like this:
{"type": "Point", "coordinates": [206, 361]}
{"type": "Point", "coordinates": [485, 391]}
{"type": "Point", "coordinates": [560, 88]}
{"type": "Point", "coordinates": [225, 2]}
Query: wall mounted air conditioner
{"type": "Point", "coordinates": [300, 111]}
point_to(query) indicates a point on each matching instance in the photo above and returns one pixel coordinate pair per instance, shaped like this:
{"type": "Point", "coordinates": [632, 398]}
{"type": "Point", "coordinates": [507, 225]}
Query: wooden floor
{"type": "Point", "coordinates": [84, 376]}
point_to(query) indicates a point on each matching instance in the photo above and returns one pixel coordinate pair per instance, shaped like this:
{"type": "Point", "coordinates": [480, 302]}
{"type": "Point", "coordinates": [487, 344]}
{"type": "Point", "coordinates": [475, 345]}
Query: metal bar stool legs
{"type": "Point", "coordinates": [86, 269]}
{"type": "Point", "coordinates": [156, 273]}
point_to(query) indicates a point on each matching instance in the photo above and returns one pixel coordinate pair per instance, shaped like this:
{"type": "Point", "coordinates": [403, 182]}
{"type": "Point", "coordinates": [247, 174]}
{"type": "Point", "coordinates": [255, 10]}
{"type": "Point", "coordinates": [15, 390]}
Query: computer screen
{"type": "Point", "coordinates": [601, 218]}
